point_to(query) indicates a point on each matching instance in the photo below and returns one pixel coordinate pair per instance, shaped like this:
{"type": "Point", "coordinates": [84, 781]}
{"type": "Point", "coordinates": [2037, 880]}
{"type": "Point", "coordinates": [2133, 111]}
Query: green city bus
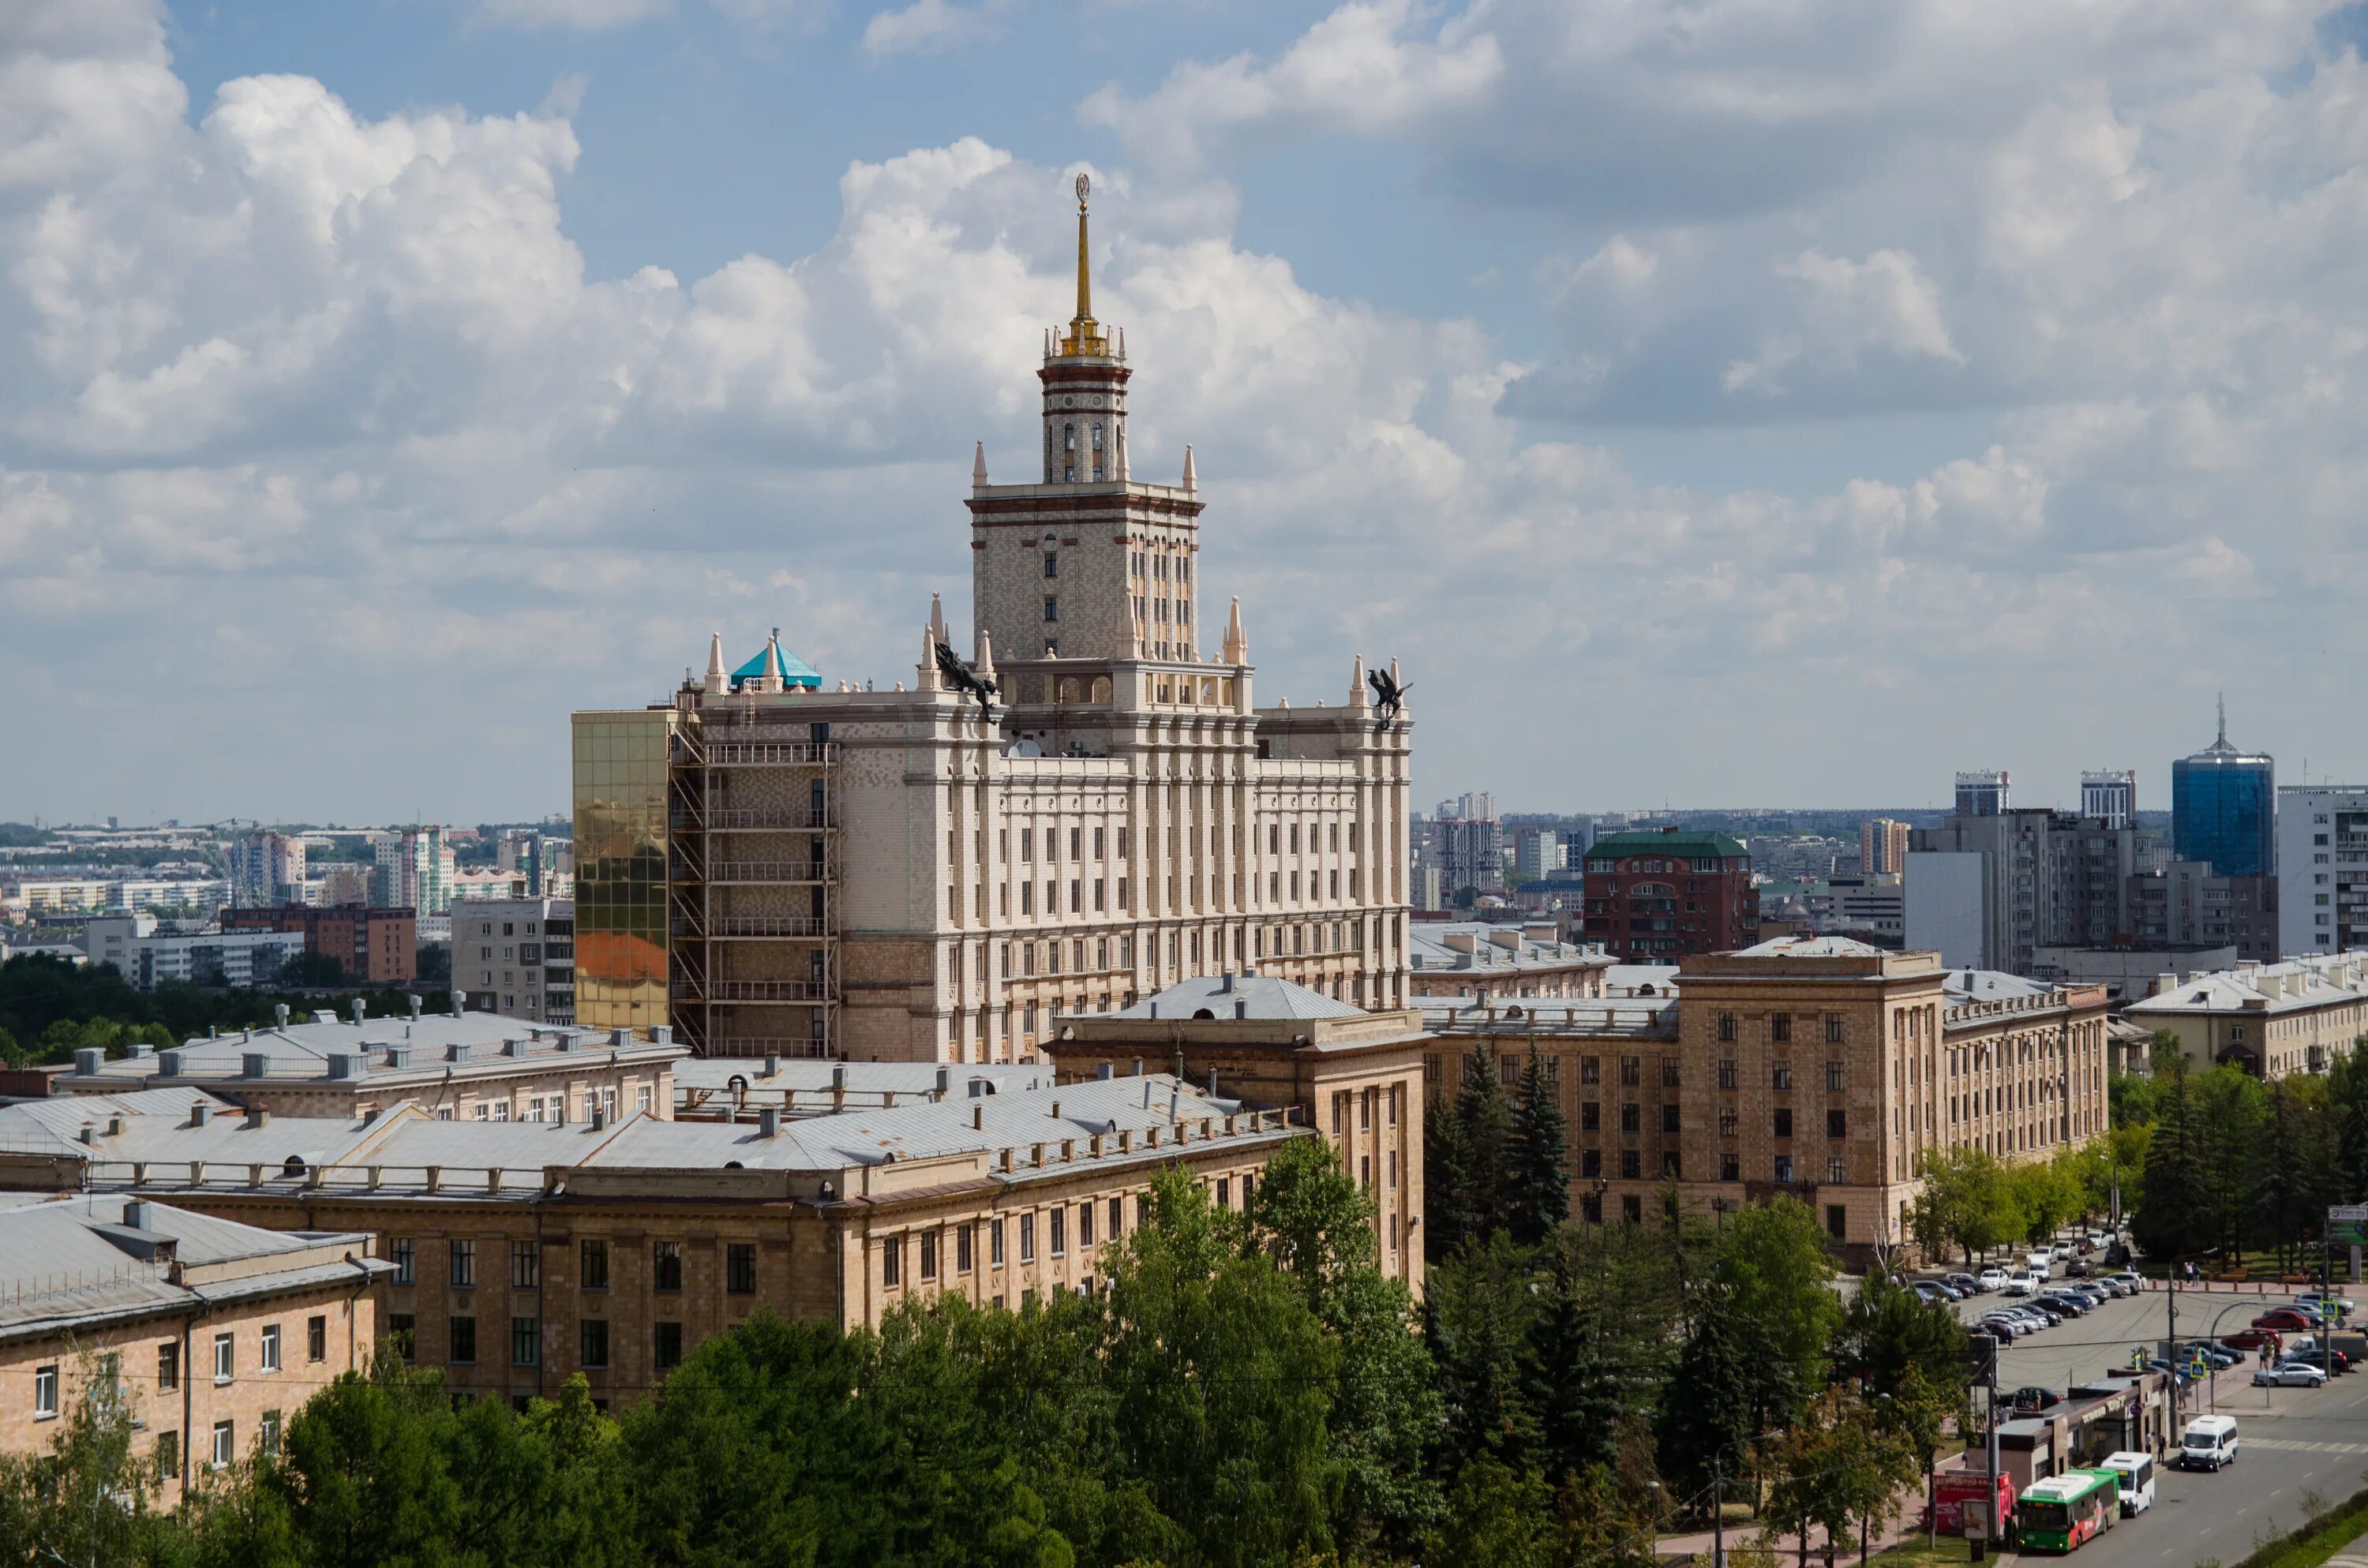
{"type": "Point", "coordinates": [2059, 1513]}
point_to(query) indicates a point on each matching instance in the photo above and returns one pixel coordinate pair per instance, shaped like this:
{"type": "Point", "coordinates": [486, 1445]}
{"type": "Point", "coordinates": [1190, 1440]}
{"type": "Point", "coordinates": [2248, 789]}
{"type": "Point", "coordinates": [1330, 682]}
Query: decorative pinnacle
{"type": "Point", "coordinates": [1085, 335]}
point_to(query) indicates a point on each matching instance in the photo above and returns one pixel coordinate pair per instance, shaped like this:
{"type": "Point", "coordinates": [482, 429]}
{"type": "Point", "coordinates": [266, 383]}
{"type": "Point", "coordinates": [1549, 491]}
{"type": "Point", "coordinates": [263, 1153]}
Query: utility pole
{"type": "Point", "coordinates": [1718, 1502]}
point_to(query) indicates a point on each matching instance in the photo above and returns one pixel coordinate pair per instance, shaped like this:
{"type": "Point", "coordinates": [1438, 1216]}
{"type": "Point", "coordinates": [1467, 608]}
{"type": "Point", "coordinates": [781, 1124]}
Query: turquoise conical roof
{"type": "Point", "coordinates": [794, 670]}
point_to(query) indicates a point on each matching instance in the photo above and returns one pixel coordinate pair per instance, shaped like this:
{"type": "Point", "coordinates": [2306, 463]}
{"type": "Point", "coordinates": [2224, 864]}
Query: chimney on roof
{"type": "Point", "coordinates": [1103, 1071]}
{"type": "Point", "coordinates": [199, 1112]}
{"type": "Point", "coordinates": [1225, 980]}
{"type": "Point", "coordinates": [945, 1082]}
{"type": "Point", "coordinates": [88, 1061]}
{"type": "Point", "coordinates": [1056, 1110]}
{"type": "Point", "coordinates": [254, 1064]}
{"type": "Point", "coordinates": [619, 1038]}
{"type": "Point", "coordinates": [599, 1117]}
{"type": "Point", "coordinates": [772, 1064]}
{"type": "Point", "coordinates": [769, 1121]}
{"type": "Point", "coordinates": [661, 1034]}
{"type": "Point", "coordinates": [1241, 1007]}
{"type": "Point", "coordinates": [258, 1116]}
{"type": "Point", "coordinates": [1212, 1083]}
{"type": "Point", "coordinates": [87, 1133]}
{"type": "Point", "coordinates": [135, 1213]}
{"type": "Point", "coordinates": [1155, 1008]}
{"type": "Point", "coordinates": [978, 1118]}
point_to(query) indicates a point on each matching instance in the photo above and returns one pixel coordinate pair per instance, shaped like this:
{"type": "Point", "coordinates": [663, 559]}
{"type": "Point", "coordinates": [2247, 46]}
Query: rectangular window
{"type": "Point", "coordinates": [1669, 1072]}
{"type": "Point", "coordinates": [1590, 1070]}
{"type": "Point", "coordinates": [1590, 1162]}
{"type": "Point", "coordinates": [1837, 1123]}
{"type": "Point", "coordinates": [1669, 1119]}
{"type": "Point", "coordinates": [45, 1394]}
{"type": "Point", "coordinates": [1727, 1076]}
{"type": "Point", "coordinates": [594, 1266]}
{"type": "Point", "coordinates": [401, 1332]}
{"type": "Point", "coordinates": [1834, 1028]}
{"type": "Point", "coordinates": [169, 1457]}
{"type": "Point", "coordinates": [1728, 1120]}
{"type": "Point", "coordinates": [1632, 1070]}
{"type": "Point", "coordinates": [1631, 1165]}
{"type": "Point", "coordinates": [1590, 1116]}
{"type": "Point", "coordinates": [740, 1267]}
{"type": "Point", "coordinates": [526, 1265]}
{"type": "Point", "coordinates": [961, 1249]}
{"type": "Point", "coordinates": [526, 1342]}
{"type": "Point", "coordinates": [1632, 1117]}
{"type": "Point", "coordinates": [1060, 1219]}
{"type": "Point", "coordinates": [1027, 1238]}
{"type": "Point", "coordinates": [225, 1358]}
{"type": "Point", "coordinates": [1784, 1168]}
{"type": "Point", "coordinates": [316, 1338]}
{"type": "Point", "coordinates": [1833, 1077]}
{"type": "Point", "coordinates": [665, 1266]}
{"type": "Point", "coordinates": [268, 1359]}
{"type": "Point", "coordinates": [464, 1265]}
{"type": "Point", "coordinates": [401, 1253]}
{"type": "Point", "coordinates": [995, 1243]}
{"type": "Point", "coordinates": [1051, 606]}
{"type": "Point", "coordinates": [593, 1341]}
{"type": "Point", "coordinates": [1783, 1121]}
{"type": "Point", "coordinates": [666, 1346]}
{"type": "Point", "coordinates": [1085, 1225]}
{"type": "Point", "coordinates": [1779, 1027]}
{"type": "Point", "coordinates": [1117, 1218]}
{"type": "Point", "coordinates": [464, 1340]}
{"type": "Point", "coordinates": [1730, 1167]}
{"type": "Point", "coordinates": [168, 1366]}
{"type": "Point", "coordinates": [1838, 1170]}
{"type": "Point", "coordinates": [1781, 1073]}
{"type": "Point", "coordinates": [928, 1254]}
{"type": "Point", "coordinates": [225, 1446]}
{"type": "Point", "coordinates": [1726, 1026]}
{"type": "Point", "coordinates": [892, 1261]}
{"type": "Point", "coordinates": [1837, 1218]}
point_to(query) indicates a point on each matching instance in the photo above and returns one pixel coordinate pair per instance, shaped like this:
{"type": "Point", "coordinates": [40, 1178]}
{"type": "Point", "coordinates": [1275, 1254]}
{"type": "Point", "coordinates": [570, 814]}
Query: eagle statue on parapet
{"type": "Point", "coordinates": [962, 678]}
{"type": "Point", "coordinates": [1388, 694]}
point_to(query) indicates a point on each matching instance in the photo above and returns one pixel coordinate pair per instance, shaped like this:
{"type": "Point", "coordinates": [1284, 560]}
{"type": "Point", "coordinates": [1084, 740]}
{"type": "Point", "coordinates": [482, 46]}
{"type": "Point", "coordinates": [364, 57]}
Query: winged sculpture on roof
{"type": "Point", "coordinates": [962, 678]}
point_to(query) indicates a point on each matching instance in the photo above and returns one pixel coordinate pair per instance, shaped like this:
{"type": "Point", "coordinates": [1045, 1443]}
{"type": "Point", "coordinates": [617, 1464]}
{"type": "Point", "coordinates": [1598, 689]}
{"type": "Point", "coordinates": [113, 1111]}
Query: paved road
{"type": "Point", "coordinates": [2292, 1440]}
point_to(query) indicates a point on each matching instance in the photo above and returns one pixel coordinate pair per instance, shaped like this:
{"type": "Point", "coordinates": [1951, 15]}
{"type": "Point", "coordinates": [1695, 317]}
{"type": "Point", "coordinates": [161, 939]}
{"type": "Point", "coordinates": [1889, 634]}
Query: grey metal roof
{"type": "Point", "coordinates": [862, 1079]}
{"type": "Point", "coordinates": [67, 1261]}
{"type": "Point", "coordinates": [1812, 948]}
{"type": "Point", "coordinates": [1237, 996]}
{"type": "Point", "coordinates": [2292, 986]}
{"type": "Point", "coordinates": [1428, 948]}
{"type": "Point", "coordinates": [303, 1051]}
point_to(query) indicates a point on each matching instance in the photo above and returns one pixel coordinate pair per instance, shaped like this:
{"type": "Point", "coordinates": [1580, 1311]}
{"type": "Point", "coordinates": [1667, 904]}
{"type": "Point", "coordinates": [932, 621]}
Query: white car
{"type": "Point", "coordinates": [2019, 1284]}
{"type": "Point", "coordinates": [1992, 1278]}
{"type": "Point", "coordinates": [2289, 1374]}
{"type": "Point", "coordinates": [2059, 1251]}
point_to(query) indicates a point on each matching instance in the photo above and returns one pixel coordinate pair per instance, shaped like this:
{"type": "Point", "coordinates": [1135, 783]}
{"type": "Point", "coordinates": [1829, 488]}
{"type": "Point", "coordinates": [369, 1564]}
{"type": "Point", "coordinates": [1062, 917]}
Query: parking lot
{"type": "Point", "coordinates": [2292, 1440]}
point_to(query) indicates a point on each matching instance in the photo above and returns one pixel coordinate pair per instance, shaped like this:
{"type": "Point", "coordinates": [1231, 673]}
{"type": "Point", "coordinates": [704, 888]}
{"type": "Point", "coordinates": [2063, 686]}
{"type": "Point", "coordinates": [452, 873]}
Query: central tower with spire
{"type": "Point", "coordinates": [1085, 563]}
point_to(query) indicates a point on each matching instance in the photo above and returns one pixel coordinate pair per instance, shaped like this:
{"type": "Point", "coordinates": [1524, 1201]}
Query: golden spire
{"type": "Point", "coordinates": [1085, 335]}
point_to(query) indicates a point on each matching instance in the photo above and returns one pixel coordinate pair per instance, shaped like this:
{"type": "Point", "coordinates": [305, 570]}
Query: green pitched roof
{"type": "Point", "coordinates": [1688, 845]}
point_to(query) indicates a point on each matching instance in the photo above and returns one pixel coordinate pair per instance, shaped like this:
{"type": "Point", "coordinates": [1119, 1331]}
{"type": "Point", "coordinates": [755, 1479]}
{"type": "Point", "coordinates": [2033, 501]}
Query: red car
{"type": "Point", "coordinates": [2284, 1319]}
{"type": "Point", "coordinates": [2251, 1339]}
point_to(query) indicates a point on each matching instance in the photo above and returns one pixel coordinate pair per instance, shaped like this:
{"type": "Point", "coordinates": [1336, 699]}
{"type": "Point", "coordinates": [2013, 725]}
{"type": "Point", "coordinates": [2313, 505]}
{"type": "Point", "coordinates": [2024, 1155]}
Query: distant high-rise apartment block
{"type": "Point", "coordinates": [267, 868]}
{"type": "Point", "coordinates": [1882, 847]}
{"type": "Point", "coordinates": [2322, 860]}
{"type": "Point", "coordinates": [1982, 792]}
{"type": "Point", "coordinates": [2224, 808]}
{"type": "Point", "coordinates": [414, 871]}
{"type": "Point", "coordinates": [516, 956]}
{"type": "Point", "coordinates": [1086, 810]}
{"type": "Point", "coordinates": [1538, 851]}
{"type": "Point", "coordinates": [2110, 796]}
{"type": "Point", "coordinates": [1988, 890]}
{"type": "Point", "coordinates": [1660, 895]}
{"type": "Point", "coordinates": [344, 882]}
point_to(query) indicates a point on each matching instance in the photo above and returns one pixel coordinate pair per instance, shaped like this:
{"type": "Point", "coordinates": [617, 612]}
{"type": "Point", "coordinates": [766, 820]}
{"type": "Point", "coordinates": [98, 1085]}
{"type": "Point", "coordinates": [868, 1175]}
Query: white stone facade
{"type": "Point", "coordinates": [887, 875]}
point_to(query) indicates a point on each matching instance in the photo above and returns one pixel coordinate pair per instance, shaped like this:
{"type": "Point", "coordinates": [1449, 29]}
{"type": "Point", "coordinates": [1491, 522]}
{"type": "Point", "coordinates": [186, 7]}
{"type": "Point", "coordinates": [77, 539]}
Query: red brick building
{"type": "Point", "coordinates": [1661, 894]}
{"type": "Point", "coordinates": [381, 946]}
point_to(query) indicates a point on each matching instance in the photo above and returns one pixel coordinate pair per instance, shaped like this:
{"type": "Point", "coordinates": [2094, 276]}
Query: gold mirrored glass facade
{"type": "Point", "coordinates": [620, 867]}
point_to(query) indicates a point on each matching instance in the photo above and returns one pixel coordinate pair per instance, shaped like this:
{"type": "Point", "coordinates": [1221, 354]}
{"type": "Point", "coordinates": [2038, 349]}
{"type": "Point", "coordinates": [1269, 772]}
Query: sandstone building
{"type": "Point", "coordinates": [210, 1334]}
{"type": "Point", "coordinates": [1818, 1067]}
{"type": "Point", "coordinates": [914, 874]}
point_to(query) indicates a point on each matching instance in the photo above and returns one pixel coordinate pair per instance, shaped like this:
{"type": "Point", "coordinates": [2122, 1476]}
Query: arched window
{"type": "Point", "coordinates": [1098, 434]}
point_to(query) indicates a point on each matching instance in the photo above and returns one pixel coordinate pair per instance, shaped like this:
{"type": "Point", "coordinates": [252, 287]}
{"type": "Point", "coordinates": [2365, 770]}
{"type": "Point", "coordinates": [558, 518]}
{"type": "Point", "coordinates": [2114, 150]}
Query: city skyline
{"type": "Point", "coordinates": [395, 386]}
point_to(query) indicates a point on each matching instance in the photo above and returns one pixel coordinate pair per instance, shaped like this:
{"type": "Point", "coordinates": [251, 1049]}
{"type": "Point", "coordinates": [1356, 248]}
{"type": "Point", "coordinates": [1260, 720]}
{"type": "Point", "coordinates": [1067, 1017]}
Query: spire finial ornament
{"type": "Point", "coordinates": [717, 681]}
{"type": "Point", "coordinates": [2221, 700]}
{"type": "Point", "coordinates": [1191, 481]}
{"type": "Point", "coordinates": [1236, 649]}
{"type": "Point", "coordinates": [937, 619]}
{"type": "Point", "coordinates": [978, 468]}
{"type": "Point", "coordinates": [1085, 335]}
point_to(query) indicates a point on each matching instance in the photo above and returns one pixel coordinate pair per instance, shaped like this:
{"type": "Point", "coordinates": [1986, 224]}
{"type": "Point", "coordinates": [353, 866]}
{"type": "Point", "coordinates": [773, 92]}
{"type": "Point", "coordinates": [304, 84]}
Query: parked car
{"type": "Point", "coordinates": [1966, 1284]}
{"type": "Point", "coordinates": [1992, 1278]}
{"type": "Point", "coordinates": [2307, 1347]}
{"type": "Point", "coordinates": [2284, 1319]}
{"type": "Point", "coordinates": [2319, 1309]}
{"type": "Point", "coordinates": [2209, 1442]}
{"type": "Point", "coordinates": [2246, 1339]}
{"type": "Point", "coordinates": [2018, 1284]}
{"type": "Point", "coordinates": [2343, 1305]}
{"type": "Point", "coordinates": [2077, 1270]}
{"type": "Point", "coordinates": [2220, 1355]}
{"type": "Point", "coordinates": [2072, 1301]}
{"type": "Point", "coordinates": [2060, 1251]}
{"type": "Point", "coordinates": [2132, 1278]}
{"type": "Point", "coordinates": [2176, 1374]}
{"type": "Point", "coordinates": [2040, 1263]}
{"type": "Point", "coordinates": [2054, 1310]}
{"type": "Point", "coordinates": [2289, 1374]}
{"type": "Point", "coordinates": [2034, 1397]}
{"type": "Point", "coordinates": [2000, 1323]}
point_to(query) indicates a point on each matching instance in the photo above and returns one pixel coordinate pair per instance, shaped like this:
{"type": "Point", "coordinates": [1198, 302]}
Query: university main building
{"type": "Point", "coordinates": [775, 868]}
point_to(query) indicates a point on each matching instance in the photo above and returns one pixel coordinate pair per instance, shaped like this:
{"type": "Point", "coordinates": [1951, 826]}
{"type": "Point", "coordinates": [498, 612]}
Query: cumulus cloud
{"type": "Point", "coordinates": [928, 27]}
{"type": "Point", "coordinates": [324, 415]}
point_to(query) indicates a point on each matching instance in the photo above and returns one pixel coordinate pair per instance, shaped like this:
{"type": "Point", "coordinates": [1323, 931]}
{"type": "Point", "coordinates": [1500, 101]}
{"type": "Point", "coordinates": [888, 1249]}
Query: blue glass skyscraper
{"type": "Point", "coordinates": [2224, 809]}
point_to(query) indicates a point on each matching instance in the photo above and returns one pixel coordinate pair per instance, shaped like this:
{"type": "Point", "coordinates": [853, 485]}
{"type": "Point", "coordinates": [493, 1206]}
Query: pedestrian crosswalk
{"type": "Point", "coordinates": [2297, 1446]}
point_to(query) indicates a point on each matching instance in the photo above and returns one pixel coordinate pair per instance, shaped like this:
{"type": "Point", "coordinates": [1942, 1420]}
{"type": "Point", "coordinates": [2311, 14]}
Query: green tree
{"type": "Point", "coordinates": [2047, 1195]}
{"type": "Point", "coordinates": [1537, 1162]}
{"type": "Point", "coordinates": [1318, 1223]}
{"type": "Point", "coordinates": [1909, 1356]}
{"type": "Point", "coordinates": [2292, 1164]}
{"type": "Point", "coordinates": [1573, 1387]}
{"type": "Point", "coordinates": [84, 1499]}
{"type": "Point", "coordinates": [1775, 1267]}
{"type": "Point", "coordinates": [1966, 1201]}
{"type": "Point", "coordinates": [2347, 1086]}
{"type": "Point", "coordinates": [2134, 1099]}
{"type": "Point", "coordinates": [2231, 1109]}
{"type": "Point", "coordinates": [1467, 1170]}
{"type": "Point", "coordinates": [1479, 1312]}
{"type": "Point", "coordinates": [1707, 1425]}
{"type": "Point", "coordinates": [2174, 1217]}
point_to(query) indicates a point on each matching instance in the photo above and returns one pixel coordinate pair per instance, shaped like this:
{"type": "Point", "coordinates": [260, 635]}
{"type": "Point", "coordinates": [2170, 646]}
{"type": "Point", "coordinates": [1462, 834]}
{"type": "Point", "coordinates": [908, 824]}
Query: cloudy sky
{"type": "Point", "coordinates": [1709, 401]}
